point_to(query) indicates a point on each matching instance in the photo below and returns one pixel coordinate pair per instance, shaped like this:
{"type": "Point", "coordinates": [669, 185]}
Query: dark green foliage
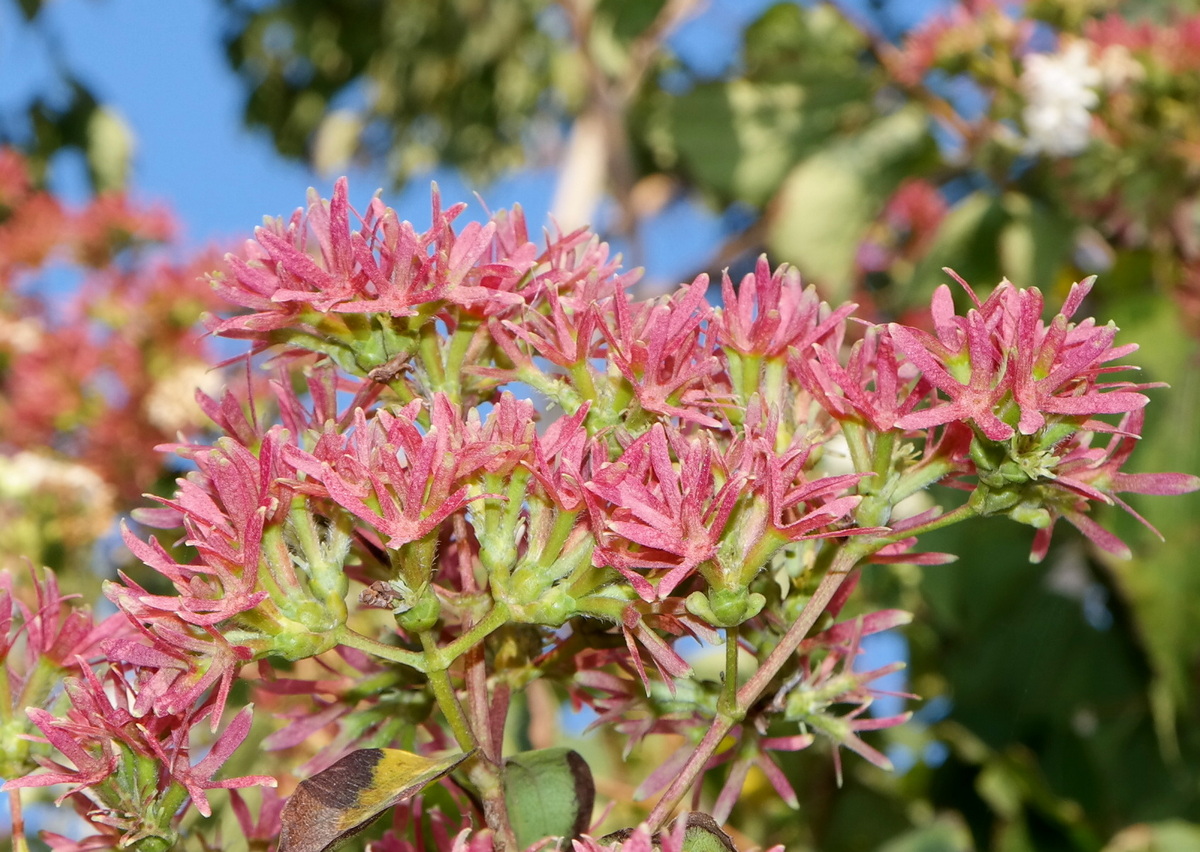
{"type": "Point", "coordinates": [451, 81]}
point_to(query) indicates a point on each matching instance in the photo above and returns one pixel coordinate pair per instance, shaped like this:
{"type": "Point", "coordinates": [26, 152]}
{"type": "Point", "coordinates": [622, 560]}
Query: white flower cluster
{"type": "Point", "coordinates": [1060, 93]}
{"type": "Point", "coordinates": [84, 505]}
{"type": "Point", "coordinates": [171, 403]}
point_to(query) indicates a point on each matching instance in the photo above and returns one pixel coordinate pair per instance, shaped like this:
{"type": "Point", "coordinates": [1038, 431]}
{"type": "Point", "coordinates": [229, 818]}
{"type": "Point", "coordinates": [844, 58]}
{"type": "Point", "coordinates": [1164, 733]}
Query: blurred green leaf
{"type": "Point", "coordinates": [1168, 836]}
{"type": "Point", "coordinates": [966, 242]}
{"type": "Point", "coordinates": [737, 139]}
{"type": "Point", "coordinates": [450, 81]}
{"type": "Point", "coordinates": [1034, 243]}
{"type": "Point", "coordinates": [110, 147]}
{"type": "Point", "coordinates": [830, 199]}
{"type": "Point", "coordinates": [943, 835]}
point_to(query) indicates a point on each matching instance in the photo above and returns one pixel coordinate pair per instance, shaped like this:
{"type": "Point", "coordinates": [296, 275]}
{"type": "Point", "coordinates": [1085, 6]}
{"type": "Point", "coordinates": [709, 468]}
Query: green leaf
{"type": "Point", "coordinates": [1167, 836]}
{"type": "Point", "coordinates": [829, 200]}
{"type": "Point", "coordinates": [110, 145]}
{"type": "Point", "coordinates": [339, 802]}
{"type": "Point", "coordinates": [739, 138]}
{"type": "Point", "coordinates": [548, 793]}
{"type": "Point", "coordinates": [704, 835]}
{"type": "Point", "coordinates": [945, 835]}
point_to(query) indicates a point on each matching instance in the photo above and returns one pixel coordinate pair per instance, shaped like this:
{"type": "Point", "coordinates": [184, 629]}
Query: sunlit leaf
{"type": "Point", "coordinates": [339, 802]}
{"type": "Point", "coordinates": [830, 199]}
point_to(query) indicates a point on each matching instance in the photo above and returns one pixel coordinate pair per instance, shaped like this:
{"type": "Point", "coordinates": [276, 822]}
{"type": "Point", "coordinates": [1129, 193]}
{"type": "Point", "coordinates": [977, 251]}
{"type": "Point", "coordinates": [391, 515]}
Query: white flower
{"type": "Point", "coordinates": [20, 335]}
{"type": "Point", "coordinates": [84, 504]}
{"type": "Point", "coordinates": [1060, 92]}
{"type": "Point", "coordinates": [1119, 68]}
{"type": "Point", "coordinates": [171, 404]}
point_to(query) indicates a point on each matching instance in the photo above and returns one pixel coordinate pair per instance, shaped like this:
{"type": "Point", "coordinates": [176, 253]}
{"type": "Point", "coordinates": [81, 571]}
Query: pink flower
{"type": "Point", "coordinates": [964, 362]}
{"type": "Point", "coordinates": [661, 351]}
{"type": "Point", "coordinates": [771, 313]}
{"type": "Point", "coordinates": [55, 631]}
{"type": "Point", "coordinates": [1055, 368]}
{"type": "Point", "coordinates": [1083, 475]}
{"type": "Point", "coordinates": [382, 266]}
{"type": "Point", "coordinates": [101, 735]}
{"type": "Point", "coordinates": [874, 387]}
{"type": "Point", "coordinates": [799, 508]}
{"type": "Point", "coordinates": [563, 458]}
{"type": "Point", "coordinates": [508, 434]}
{"type": "Point", "coordinates": [564, 337]}
{"type": "Point", "coordinates": [399, 480]}
{"type": "Point", "coordinates": [1001, 366]}
{"type": "Point", "coordinates": [177, 665]}
{"type": "Point", "coordinates": [659, 518]}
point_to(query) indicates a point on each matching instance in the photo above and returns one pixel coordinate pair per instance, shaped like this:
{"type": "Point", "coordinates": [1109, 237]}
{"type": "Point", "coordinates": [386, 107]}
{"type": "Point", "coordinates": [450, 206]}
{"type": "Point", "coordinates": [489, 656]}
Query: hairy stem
{"type": "Point", "coordinates": [696, 762]}
{"type": "Point", "coordinates": [353, 639]}
{"type": "Point", "coordinates": [447, 701]}
{"type": "Point", "coordinates": [445, 657]}
{"type": "Point", "coordinates": [844, 562]}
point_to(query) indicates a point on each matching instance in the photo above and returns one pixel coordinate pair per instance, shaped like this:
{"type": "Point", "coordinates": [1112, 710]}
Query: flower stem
{"type": "Point", "coordinates": [353, 639]}
{"type": "Point", "coordinates": [962, 513]}
{"type": "Point", "coordinates": [727, 703]}
{"type": "Point", "coordinates": [696, 762]}
{"type": "Point", "coordinates": [17, 822]}
{"type": "Point", "coordinates": [843, 563]}
{"type": "Point", "coordinates": [443, 658]}
{"type": "Point", "coordinates": [443, 693]}
{"type": "Point", "coordinates": [487, 775]}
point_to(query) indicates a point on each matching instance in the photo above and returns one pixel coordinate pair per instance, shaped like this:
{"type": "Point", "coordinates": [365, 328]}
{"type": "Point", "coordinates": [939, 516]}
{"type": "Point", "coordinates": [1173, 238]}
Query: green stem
{"type": "Point", "coordinates": [921, 477]}
{"type": "Point", "coordinates": [447, 701]}
{"type": "Point", "coordinates": [602, 606]}
{"type": "Point", "coordinates": [564, 523]}
{"type": "Point", "coordinates": [443, 693]}
{"type": "Point", "coordinates": [581, 375]}
{"type": "Point", "coordinates": [353, 639]}
{"type": "Point", "coordinates": [860, 454]}
{"type": "Point", "coordinates": [962, 513]}
{"type": "Point", "coordinates": [456, 352]}
{"type": "Point", "coordinates": [885, 444]}
{"type": "Point", "coordinates": [431, 357]}
{"type": "Point", "coordinates": [443, 658]}
{"type": "Point", "coordinates": [727, 703]}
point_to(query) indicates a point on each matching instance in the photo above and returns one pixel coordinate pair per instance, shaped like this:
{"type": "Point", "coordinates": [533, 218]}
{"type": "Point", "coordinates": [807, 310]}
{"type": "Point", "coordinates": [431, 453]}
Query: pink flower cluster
{"type": "Point", "coordinates": [689, 486]}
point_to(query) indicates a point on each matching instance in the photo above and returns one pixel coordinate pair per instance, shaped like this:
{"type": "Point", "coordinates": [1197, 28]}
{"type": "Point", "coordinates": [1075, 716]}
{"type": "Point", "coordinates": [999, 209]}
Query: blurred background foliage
{"type": "Point", "coordinates": [870, 144]}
